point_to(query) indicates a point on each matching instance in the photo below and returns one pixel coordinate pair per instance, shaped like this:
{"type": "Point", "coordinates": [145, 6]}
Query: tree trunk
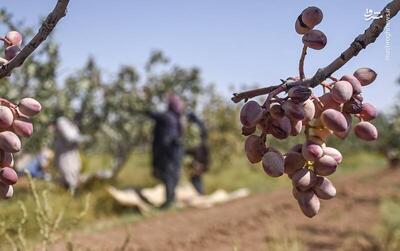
{"type": "Point", "coordinates": [394, 163]}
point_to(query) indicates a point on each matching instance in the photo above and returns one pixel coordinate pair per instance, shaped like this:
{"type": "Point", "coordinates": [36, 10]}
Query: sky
{"type": "Point", "coordinates": [233, 42]}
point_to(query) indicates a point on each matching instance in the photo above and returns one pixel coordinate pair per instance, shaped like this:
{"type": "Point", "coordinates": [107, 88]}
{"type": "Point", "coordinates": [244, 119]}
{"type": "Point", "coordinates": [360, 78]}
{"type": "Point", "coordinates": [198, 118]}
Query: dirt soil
{"type": "Point", "coordinates": [260, 220]}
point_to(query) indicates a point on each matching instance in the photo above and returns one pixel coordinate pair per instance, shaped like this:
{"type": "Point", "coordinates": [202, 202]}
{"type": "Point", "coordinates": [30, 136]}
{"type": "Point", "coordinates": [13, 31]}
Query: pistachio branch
{"type": "Point", "coordinates": [301, 63]}
{"type": "Point", "coordinates": [361, 42]}
{"type": "Point", "coordinates": [47, 27]}
{"type": "Point", "coordinates": [237, 97]}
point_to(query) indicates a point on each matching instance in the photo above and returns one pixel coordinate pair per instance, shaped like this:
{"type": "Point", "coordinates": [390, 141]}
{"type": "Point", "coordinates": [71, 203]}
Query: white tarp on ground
{"type": "Point", "coordinates": [186, 196]}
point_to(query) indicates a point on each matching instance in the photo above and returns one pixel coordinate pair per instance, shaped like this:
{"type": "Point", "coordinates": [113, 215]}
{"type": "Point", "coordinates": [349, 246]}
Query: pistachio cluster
{"type": "Point", "coordinates": [301, 110]}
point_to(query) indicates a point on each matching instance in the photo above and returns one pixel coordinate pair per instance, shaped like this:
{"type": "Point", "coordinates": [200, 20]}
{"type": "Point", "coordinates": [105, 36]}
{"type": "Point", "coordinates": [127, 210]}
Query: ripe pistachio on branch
{"type": "Point", "coordinates": [15, 119]}
{"type": "Point", "coordinates": [329, 115]}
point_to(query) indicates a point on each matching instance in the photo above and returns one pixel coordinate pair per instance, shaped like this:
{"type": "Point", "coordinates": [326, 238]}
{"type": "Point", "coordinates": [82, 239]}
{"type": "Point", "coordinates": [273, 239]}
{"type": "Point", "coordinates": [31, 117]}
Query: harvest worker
{"type": "Point", "coordinates": [37, 165]}
{"type": "Point", "coordinates": [67, 158]}
{"type": "Point", "coordinates": [167, 148]}
{"type": "Point", "coordinates": [199, 154]}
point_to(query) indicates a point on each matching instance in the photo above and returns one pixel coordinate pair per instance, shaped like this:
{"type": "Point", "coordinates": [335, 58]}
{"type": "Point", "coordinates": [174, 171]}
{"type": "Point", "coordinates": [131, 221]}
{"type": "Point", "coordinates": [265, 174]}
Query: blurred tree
{"type": "Point", "coordinates": [389, 135]}
{"type": "Point", "coordinates": [110, 111]}
{"type": "Point", "coordinates": [220, 116]}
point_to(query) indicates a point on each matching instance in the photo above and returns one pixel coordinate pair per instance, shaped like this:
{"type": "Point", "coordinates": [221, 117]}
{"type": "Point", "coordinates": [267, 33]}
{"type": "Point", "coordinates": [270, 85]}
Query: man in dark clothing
{"type": "Point", "coordinates": [167, 146]}
{"type": "Point", "coordinates": [199, 154]}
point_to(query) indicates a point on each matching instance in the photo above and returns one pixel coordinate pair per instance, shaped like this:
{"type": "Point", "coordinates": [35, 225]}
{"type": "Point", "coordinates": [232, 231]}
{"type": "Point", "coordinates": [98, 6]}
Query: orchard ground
{"type": "Point", "coordinates": [267, 220]}
{"type": "Point", "coordinates": [357, 220]}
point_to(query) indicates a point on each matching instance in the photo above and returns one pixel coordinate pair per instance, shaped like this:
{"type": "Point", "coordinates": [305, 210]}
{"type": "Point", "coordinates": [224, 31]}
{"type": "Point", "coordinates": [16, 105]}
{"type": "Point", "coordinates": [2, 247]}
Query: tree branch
{"type": "Point", "coordinates": [237, 97]}
{"type": "Point", "coordinates": [361, 42]}
{"type": "Point", "coordinates": [47, 27]}
{"type": "Point", "coordinates": [301, 63]}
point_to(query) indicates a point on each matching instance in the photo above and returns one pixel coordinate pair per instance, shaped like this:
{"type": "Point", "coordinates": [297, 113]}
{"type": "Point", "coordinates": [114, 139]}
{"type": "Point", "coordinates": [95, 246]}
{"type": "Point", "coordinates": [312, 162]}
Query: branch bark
{"type": "Point", "coordinates": [47, 27]}
{"type": "Point", "coordinates": [237, 97]}
{"type": "Point", "coordinates": [361, 42]}
{"type": "Point", "coordinates": [301, 63]}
